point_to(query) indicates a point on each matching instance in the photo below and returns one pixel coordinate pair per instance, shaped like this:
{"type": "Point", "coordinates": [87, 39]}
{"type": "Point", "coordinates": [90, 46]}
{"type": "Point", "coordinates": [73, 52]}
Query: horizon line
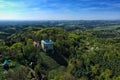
{"type": "Point", "coordinates": [69, 20]}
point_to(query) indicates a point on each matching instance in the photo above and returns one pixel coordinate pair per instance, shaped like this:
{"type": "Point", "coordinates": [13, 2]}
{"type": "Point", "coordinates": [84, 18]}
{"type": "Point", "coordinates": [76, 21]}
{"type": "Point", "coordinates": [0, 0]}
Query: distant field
{"type": "Point", "coordinates": [2, 32]}
{"type": "Point", "coordinates": [107, 27]}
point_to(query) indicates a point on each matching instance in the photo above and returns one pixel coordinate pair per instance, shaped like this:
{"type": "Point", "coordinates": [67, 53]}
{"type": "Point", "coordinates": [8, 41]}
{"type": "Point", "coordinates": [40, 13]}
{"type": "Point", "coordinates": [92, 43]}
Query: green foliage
{"type": "Point", "coordinates": [57, 73]}
{"type": "Point", "coordinates": [20, 74]}
{"type": "Point", "coordinates": [79, 54]}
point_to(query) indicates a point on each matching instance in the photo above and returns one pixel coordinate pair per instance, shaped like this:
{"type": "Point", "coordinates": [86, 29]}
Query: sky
{"type": "Point", "coordinates": [59, 9]}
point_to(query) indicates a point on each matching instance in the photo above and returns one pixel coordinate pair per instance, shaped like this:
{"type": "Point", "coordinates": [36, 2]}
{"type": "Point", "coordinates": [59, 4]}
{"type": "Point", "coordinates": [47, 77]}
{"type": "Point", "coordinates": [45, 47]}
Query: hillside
{"type": "Point", "coordinates": [91, 54]}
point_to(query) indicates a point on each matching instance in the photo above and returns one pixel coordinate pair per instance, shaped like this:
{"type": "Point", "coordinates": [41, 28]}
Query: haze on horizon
{"type": "Point", "coordinates": [59, 9]}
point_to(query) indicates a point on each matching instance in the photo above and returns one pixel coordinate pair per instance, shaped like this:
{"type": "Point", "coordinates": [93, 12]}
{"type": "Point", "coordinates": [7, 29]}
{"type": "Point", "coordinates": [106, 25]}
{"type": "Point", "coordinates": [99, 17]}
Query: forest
{"type": "Point", "coordinates": [83, 50]}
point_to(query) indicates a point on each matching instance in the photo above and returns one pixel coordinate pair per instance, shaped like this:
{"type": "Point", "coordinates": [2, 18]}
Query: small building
{"type": "Point", "coordinates": [5, 64]}
{"type": "Point", "coordinates": [36, 44]}
{"type": "Point", "coordinates": [47, 45]}
{"type": "Point", "coordinates": [32, 65]}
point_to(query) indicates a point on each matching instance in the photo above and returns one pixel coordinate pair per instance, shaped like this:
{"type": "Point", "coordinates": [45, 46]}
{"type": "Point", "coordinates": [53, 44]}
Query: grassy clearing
{"type": "Point", "coordinates": [51, 63]}
{"type": "Point", "coordinates": [107, 27]}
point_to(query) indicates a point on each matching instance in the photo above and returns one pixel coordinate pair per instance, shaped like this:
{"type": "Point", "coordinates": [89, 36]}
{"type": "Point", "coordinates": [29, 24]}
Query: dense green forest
{"type": "Point", "coordinates": [80, 53]}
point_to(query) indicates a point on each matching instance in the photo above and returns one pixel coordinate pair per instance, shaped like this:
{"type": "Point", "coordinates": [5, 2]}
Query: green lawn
{"type": "Point", "coordinates": [51, 63]}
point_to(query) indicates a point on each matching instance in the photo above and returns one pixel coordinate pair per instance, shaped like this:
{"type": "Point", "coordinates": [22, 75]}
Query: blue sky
{"type": "Point", "coordinates": [59, 9]}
